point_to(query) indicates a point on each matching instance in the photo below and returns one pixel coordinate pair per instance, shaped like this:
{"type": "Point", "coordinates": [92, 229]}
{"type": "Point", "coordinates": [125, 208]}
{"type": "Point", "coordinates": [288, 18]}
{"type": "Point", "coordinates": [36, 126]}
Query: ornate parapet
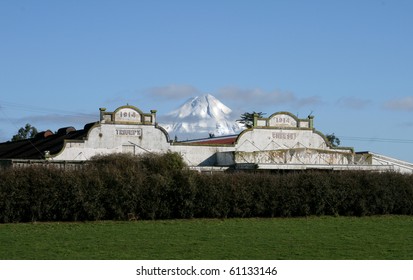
{"type": "Point", "coordinates": [284, 120]}
{"type": "Point", "coordinates": [127, 115]}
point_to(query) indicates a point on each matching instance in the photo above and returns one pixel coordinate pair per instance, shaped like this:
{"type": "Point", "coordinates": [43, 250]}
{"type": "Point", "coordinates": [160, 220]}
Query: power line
{"type": "Point", "coordinates": [375, 139]}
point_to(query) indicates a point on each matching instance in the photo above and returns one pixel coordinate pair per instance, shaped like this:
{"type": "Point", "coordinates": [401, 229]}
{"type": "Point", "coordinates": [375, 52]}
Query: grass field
{"type": "Point", "coordinates": [378, 237]}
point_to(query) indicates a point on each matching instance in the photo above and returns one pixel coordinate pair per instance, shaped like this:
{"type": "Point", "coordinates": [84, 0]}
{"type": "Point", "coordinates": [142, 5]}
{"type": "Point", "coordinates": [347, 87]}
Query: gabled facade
{"type": "Point", "coordinates": [126, 130]}
{"type": "Point", "coordinates": [284, 139]}
{"type": "Point", "coordinates": [281, 141]}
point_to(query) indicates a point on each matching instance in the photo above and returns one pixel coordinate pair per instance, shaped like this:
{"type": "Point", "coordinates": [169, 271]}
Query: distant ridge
{"type": "Point", "coordinates": [201, 116]}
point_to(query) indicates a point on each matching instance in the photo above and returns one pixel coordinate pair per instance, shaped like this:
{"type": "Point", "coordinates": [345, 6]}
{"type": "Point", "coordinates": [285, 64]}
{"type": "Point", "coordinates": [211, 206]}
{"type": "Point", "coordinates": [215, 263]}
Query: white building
{"type": "Point", "coordinates": [281, 141]}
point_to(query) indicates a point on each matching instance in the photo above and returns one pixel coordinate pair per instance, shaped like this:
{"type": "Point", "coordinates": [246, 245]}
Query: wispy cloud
{"type": "Point", "coordinates": [121, 100]}
{"type": "Point", "coordinates": [407, 124]}
{"type": "Point", "coordinates": [59, 119]}
{"type": "Point", "coordinates": [128, 96]}
{"type": "Point", "coordinates": [261, 97]}
{"type": "Point", "coordinates": [255, 95]}
{"type": "Point", "coordinates": [309, 101]}
{"type": "Point", "coordinates": [235, 97]}
{"type": "Point", "coordinates": [173, 91]}
{"type": "Point", "coordinates": [400, 104]}
{"type": "Point", "coordinates": [353, 103]}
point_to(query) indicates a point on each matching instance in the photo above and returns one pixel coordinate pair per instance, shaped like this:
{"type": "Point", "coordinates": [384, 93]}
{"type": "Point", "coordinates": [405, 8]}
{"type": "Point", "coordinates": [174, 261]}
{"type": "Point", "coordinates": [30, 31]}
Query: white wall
{"type": "Point", "coordinates": [115, 138]}
{"type": "Point", "coordinates": [290, 144]}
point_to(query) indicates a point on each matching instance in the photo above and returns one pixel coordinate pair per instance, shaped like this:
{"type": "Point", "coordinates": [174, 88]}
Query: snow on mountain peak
{"type": "Point", "coordinates": [201, 116]}
{"type": "Point", "coordinates": [206, 107]}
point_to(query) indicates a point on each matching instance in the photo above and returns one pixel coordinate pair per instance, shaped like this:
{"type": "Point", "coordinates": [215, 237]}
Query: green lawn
{"type": "Point", "coordinates": [384, 237]}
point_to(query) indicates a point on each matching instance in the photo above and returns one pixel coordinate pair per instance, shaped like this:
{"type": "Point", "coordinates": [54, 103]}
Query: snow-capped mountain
{"type": "Point", "coordinates": [201, 116]}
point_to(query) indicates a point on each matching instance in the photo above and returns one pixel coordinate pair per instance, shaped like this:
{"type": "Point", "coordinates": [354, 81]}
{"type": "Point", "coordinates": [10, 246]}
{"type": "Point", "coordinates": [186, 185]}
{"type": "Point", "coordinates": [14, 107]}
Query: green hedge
{"type": "Point", "coordinates": [159, 187]}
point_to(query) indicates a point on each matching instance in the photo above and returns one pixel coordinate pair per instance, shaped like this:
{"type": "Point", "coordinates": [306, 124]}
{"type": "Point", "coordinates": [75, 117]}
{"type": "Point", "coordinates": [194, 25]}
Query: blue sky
{"type": "Point", "coordinates": [348, 62]}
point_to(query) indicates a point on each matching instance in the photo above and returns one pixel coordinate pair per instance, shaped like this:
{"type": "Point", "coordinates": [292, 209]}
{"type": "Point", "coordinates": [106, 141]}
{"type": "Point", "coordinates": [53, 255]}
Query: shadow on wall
{"type": "Point", "coordinates": [211, 161]}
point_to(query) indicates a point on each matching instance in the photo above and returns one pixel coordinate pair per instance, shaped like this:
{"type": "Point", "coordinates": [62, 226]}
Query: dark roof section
{"type": "Point", "coordinates": [35, 148]}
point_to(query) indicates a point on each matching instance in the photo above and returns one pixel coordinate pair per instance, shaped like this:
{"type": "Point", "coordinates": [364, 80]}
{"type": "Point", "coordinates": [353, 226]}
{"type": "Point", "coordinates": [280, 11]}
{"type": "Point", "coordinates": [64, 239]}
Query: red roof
{"type": "Point", "coordinates": [224, 140]}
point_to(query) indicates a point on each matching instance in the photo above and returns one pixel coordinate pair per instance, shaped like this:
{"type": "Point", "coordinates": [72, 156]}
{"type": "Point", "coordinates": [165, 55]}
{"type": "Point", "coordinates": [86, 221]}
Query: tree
{"type": "Point", "coordinates": [248, 118]}
{"type": "Point", "coordinates": [334, 140]}
{"type": "Point", "coordinates": [26, 132]}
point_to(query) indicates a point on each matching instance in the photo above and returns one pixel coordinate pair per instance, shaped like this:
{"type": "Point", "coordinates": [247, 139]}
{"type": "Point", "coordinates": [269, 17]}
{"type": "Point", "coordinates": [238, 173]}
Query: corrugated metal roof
{"type": "Point", "coordinates": [35, 148]}
{"type": "Point", "coordinates": [220, 140]}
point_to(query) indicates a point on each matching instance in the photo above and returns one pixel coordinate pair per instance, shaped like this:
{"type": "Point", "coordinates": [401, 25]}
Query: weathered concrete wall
{"type": "Point", "coordinates": [291, 141]}
{"type": "Point", "coordinates": [295, 156]}
{"type": "Point", "coordinates": [280, 141]}
{"type": "Point", "coordinates": [116, 138]}
{"type": "Point", "coordinates": [202, 155]}
{"type": "Point", "coordinates": [136, 139]}
{"type": "Point", "coordinates": [264, 139]}
{"type": "Point", "coordinates": [289, 145]}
